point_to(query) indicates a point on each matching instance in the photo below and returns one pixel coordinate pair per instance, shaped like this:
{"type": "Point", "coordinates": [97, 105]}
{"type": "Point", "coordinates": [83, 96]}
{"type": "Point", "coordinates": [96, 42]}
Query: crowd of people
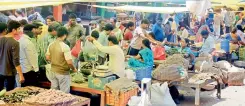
{"type": "Point", "coordinates": [28, 44]}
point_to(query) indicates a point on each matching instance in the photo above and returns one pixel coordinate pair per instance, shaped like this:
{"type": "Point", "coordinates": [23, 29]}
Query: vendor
{"type": "Point", "coordinates": [183, 33]}
{"type": "Point", "coordinates": [199, 35]}
{"type": "Point", "coordinates": [144, 58]}
{"type": "Point", "coordinates": [188, 52]}
{"type": "Point", "coordinates": [209, 43]}
{"type": "Point", "coordinates": [234, 38]}
{"type": "Point", "coordinates": [116, 55]}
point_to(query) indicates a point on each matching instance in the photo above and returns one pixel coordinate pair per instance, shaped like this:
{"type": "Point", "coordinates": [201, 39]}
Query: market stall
{"type": "Point", "coordinates": [34, 96]}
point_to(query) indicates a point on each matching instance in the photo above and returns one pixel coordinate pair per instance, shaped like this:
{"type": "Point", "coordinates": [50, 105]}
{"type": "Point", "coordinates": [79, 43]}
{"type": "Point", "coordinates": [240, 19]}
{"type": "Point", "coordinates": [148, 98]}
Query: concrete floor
{"type": "Point", "coordinates": [230, 96]}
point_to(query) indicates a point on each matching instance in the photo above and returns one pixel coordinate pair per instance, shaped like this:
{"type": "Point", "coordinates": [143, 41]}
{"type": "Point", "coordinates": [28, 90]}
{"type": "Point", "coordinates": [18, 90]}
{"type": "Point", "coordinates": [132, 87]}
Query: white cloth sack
{"type": "Point", "coordinates": [130, 74]}
{"type": "Point", "coordinates": [160, 95]}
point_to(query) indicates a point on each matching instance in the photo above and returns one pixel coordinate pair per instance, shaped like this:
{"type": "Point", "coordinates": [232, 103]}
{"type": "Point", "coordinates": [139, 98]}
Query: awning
{"type": "Point", "coordinates": [146, 9]}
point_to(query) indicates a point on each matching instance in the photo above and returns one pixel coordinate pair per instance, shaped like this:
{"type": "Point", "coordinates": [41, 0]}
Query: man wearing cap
{"type": "Point", "coordinates": [209, 43]}
{"type": "Point", "coordinates": [28, 56]}
{"type": "Point", "coordinates": [79, 22]}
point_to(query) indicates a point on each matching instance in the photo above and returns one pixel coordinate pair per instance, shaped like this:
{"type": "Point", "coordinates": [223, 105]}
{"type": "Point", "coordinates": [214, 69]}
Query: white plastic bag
{"type": "Point", "coordinates": [160, 95]}
{"type": "Point", "coordinates": [145, 100]}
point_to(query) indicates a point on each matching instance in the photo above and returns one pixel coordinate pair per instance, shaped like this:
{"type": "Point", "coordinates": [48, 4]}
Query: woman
{"type": "Point", "coordinates": [240, 33]}
{"type": "Point", "coordinates": [144, 58]}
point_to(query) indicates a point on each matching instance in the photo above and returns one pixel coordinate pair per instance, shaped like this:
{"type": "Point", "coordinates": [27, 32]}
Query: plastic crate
{"type": "Point", "coordinates": [120, 100]}
{"type": "Point", "coordinates": [143, 72]}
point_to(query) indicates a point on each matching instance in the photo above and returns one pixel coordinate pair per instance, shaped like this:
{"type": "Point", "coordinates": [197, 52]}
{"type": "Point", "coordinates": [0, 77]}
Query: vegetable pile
{"type": "Point", "coordinates": [18, 96]}
{"type": "Point", "coordinates": [77, 77]}
{"type": "Point", "coordinates": [52, 97]}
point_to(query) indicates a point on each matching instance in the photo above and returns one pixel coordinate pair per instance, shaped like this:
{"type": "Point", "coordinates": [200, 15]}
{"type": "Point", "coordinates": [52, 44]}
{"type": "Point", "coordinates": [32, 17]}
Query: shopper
{"type": "Point", "coordinates": [3, 29]}
{"type": "Point", "coordinates": [9, 57]}
{"type": "Point", "coordinates": [139, 35]}
{"type": "Point", "coordinates": [74, 29]}
{"type": "Point", "coordinates": [59, 55]}
{"type": "Point", "coordinates": [50, 37]}
{"type": "Point", "coordinates": [218, 21]}
{"type": "Point", "coordinates": [101, 27]}
{"type": "Point", "coordinates": [103, 40]}
{"type": "Point", "coordinates": [49, 20]}
{"type": "Point", "coordinates": [229, 20]}
{"type": "Point", "coordinates": [37, 42]}
{"type": "Point", "coordinates": [89, 50]}
{"type": "Point", "coordinates": [116, 55]}
{"type": "Point", "coordinates": [29, 56]}
{"type": "Point", "coordinates": [144, 58]}
{"type": "Point", "coordinates": [128, 32]}
{"type": "Point", "coordinates": [158, 30]}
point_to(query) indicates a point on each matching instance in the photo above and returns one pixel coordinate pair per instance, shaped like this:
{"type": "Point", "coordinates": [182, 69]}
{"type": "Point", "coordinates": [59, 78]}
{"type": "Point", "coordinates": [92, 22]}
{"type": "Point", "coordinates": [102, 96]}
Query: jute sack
{"type": "Point", "coordinates": [169, 73]}
{"type": "Point", "coordinates": [224, 65]}
{"type": "Point", "coordinates": [202, 65]}
{"type": "Point", "coordinates": [236, 78]}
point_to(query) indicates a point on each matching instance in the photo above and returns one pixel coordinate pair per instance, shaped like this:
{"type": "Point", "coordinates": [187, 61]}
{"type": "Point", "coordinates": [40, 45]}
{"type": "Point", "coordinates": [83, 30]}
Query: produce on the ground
{"type": "Point", "coordinates": [77, 77]}
{"type": "Point", "coordinates": [18, 96]}
{"type": "Point", "coordinates": [52, 97]}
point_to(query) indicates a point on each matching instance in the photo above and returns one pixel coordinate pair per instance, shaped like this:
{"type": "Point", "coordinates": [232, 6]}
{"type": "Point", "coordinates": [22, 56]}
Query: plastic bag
{"type": "Point", "coordinates": [130, 74]}
{"type": "Point", "coordinates": [144, 100]}
{"type": "Point", "coordinates": [160, 95]}
{"type": "Point", "coordinates": [76, 49]}
{"type": "Point", "coordinates": [159, 53]}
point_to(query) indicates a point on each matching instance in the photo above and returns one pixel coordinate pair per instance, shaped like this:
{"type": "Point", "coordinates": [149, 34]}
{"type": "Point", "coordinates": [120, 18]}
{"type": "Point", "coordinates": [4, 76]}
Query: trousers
{"type": "Point", "coordinates": [60, 82]}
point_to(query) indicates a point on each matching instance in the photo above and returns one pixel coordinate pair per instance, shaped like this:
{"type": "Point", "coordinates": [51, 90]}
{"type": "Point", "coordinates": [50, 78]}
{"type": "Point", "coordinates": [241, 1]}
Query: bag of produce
{"type": "Point", "coordinates": [77, 77]}
{"type": "Point", "coordinates": [202, 65]}
{"type": "Point", "coordinates": [224, 65]}
{"type": "Point", "coordinates": [236, 76]}
{"type": "Point", "coordinates": [169, 73]}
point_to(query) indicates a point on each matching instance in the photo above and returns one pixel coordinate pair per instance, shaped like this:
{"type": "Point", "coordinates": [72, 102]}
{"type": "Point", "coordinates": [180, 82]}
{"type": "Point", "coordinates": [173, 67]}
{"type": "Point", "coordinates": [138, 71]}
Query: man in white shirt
{"type": "Point", "coordinates": [209, 43]}
{"type": "Point", "coordinates": [218, 21]}
{"type": "Point", "coordinates": [138, 36]}
{"type": "Point", "coordinates": [116, 55]}
{"type": "Point", "coordinates": [28, 56]}
{"type": "Point", "coordinates": [229, 19]}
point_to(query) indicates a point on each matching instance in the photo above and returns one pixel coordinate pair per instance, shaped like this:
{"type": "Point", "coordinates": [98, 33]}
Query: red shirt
{"type": "Point", "coordinates": [128, 35]}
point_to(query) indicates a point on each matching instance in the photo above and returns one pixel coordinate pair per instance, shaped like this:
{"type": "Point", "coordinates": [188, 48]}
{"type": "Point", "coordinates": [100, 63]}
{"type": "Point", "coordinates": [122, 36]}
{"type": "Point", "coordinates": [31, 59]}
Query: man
{"type": "Point", "coordinates": [139, 34]}
{"type": "Point", "coordinates": [209, 43]}
{"type": "Point", "coordinates": [218, 21]}
{"type": "Point", "coordinates": [79, 22]}
{"type": "Point", "coordinates": [74, 29]}
{"type": "Point", "coordinates": [158, 30]}
{"type": "Point", "coordinates": [50, 19]}
{"type": "Point", "coordinates": [103, 40]}
{"type": "Point", "coordinates": [89, 50]}
{"type": "Point", "coordinates": [37, 42]}
{"type": "Point", "coordinates": [230, 19]}
{"type": "Point", "coordinates": [116, 55]}
{"type": "Point", "coordinates": [9, 57]}
{"type": "Point", "coordinates": [48, 39]}
{"type": "Point", "coordinates": [28, 56]}
{"type": "Point", "coordinates": [102, 23]}
{"type": "Point", "coordinates": [3, 29]}
{"type": "Point", "coordinates": [59, 54]}
{"type": "Point", "coordinates": [116, 31]}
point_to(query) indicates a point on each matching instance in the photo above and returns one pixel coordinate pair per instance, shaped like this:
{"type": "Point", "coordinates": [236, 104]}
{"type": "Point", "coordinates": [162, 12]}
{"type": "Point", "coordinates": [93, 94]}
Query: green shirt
{"type": "Point", "coordinates": [75, 32]}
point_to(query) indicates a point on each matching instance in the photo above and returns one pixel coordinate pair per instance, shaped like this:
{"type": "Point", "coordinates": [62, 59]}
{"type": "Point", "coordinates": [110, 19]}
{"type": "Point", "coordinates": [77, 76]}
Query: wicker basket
{"type": "Point", "coordinates": [122, 99]}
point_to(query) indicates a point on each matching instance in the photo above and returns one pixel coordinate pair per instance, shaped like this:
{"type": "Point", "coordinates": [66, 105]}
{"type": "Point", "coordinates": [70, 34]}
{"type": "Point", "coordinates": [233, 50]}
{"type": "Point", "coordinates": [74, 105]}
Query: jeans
{"type": "Point", "coordinates": [228, 29]}
{"type": "Point", "coordinates": [60, 82]}
{"type": "Point", "coordinates": [10, 82]}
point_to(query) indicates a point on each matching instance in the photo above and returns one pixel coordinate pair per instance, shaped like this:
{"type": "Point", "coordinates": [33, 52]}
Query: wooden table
{"type": "Point", "coordinates": [83, 88]}
{"type": "Point", "coordinates": [198, 85]}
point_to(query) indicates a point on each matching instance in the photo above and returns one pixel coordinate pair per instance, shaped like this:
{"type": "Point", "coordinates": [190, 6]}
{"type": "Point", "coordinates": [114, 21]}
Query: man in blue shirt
{"type": "Point", "coordinates": [158, 30]}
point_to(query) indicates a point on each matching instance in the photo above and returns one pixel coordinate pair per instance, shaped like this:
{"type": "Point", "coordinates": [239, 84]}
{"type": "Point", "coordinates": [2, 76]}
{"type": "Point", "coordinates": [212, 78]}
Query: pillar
{"type": "Point", "coordinates": [57, 13]}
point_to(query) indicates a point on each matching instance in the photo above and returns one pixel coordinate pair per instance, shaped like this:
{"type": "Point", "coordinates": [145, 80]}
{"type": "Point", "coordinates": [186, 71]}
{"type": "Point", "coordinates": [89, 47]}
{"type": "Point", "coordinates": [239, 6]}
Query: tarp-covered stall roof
{"type": "Point", "coordinates": [146, 9]}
